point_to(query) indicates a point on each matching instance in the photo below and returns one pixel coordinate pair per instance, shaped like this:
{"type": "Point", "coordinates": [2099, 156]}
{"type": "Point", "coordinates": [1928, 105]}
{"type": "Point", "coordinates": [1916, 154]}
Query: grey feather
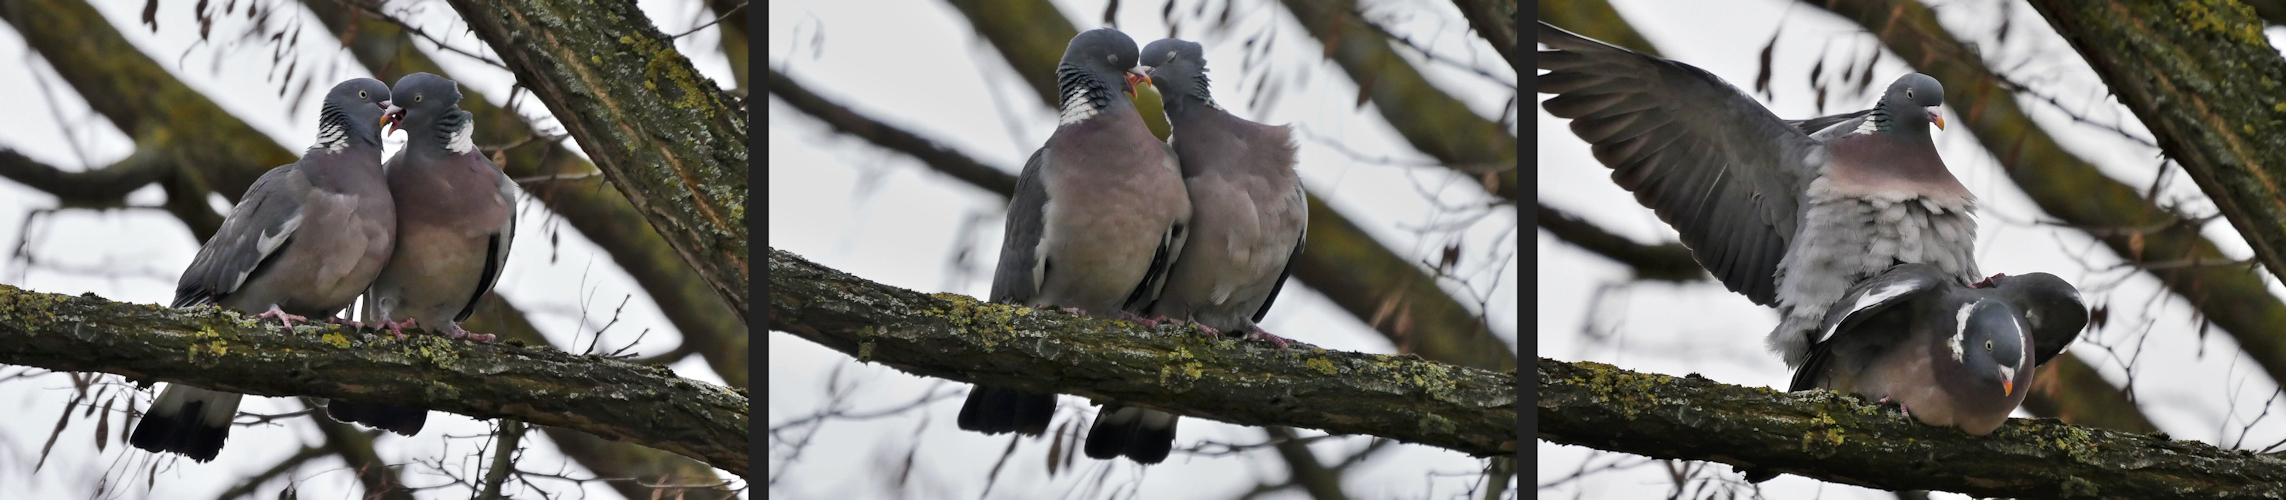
{"type": "Point", "coordinates": [1789, 213]}
{"type": "Point", "coordinates": [304, 240]}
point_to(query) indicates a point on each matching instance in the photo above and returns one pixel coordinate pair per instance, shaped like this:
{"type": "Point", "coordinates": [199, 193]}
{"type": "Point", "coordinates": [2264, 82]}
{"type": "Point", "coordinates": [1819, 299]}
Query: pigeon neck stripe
{"type": "Point", "coordinates": [1084, 95]}
{"type": "Point", "coordinates": [333, 129]}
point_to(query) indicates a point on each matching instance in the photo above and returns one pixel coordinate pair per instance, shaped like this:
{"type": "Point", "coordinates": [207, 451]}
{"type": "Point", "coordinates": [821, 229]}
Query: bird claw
{"type": "Point", "coordinates": [397, 327]}
{"type": "Point", "coordinates": [457, 333]}
{"type": "Point", "coordinates": [282, 317]}
{"type": "Point", "coordinates": [1260, 334]}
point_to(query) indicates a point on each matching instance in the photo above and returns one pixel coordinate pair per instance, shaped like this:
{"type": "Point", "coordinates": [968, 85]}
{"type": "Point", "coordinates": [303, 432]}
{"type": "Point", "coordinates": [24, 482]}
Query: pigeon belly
{"type": "Point", "coordinates": [1849, 237]}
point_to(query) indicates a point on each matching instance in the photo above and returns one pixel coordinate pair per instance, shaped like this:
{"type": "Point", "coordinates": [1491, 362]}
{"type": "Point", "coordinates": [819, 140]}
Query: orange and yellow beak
{"type": "Point", "coordinates": [392, 117]}
{"type": "Point", "coordinates": [1937, 119]}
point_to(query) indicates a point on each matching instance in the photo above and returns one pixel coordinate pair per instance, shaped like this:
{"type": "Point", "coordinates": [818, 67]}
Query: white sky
{"type": "Point", "coordinates": [135, 255]}
{"type": "Point", "coordinates": [2193, 387]}
{"type": "Point", "coordinates": [885, 217]}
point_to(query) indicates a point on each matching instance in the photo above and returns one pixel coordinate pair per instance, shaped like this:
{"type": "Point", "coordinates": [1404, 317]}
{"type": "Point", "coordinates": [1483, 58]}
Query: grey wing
{"type": "Point", "coordinates": [497, 256]}
{"type": "Point", "coordinates": [261, 226]}
{"type": "Point", "coordinates": [1694, 149]}
{"type": "Point", "coordinates": [1300, 240]}
{"type": "Point", "coordinates": [1864, 302]}
{"type": "Point", "coordinates": [1825, 128]}
{"type": "Point", "coordinates": [1017, 279]}
{"type": "Point", "coordinates": [1146, 294]}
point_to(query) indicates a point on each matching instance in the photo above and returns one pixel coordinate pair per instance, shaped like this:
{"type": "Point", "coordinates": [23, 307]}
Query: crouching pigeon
{"type": "Point", "coordinates": [1789, 214]}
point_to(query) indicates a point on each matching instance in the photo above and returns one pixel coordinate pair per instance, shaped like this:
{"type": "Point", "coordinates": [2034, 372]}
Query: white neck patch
{"type": "Point", "coordinates": [1077, 108]}
{"type": "Point", "coordinates": [1960, 330]}
{"type": "Point", "coordinates": [463, 139]}
{"type": "Point", "coordinates": [333, 137]}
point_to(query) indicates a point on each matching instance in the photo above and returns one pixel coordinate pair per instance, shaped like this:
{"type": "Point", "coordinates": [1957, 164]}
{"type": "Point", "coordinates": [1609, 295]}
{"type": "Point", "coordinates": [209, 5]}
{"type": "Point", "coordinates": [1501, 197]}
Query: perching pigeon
{"type": "Point", "coordinates": [1951, 355]}
{"type": "Point", "coordinates": [456, 215]}
{"type": "Point", "coordinates": [303, 242]}
{"type": "Point", "coordinates": [1099, 213]}
{"type": "Point", "coordinates": [1248, 215]}
{"type": "Point", "coordinates": [1787, 217]}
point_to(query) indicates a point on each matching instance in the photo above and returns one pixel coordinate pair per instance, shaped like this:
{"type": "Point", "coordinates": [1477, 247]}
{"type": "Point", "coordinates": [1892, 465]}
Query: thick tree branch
{"type": "Point", "coordinates": [1495, 20]}
{"type": "Point", "coordinates": [2073, 190]}
{"type": "Point", "coordinates": [592, 205]}
{"type": "Point", "coordinates": [1831, 437]}
{"type": "Point", "coordinates": [1433, 122]}
{"type": "Point", "coordinates": [2207, 82]}
{"type": "Point", "coordinates": [1174, 369]}
{"type": "Point", "coordinates": [225, 351]}
{"type": "Point", "coordinates": [1669, 261]}
{"type": "Point", "coordinates": [663, 133]}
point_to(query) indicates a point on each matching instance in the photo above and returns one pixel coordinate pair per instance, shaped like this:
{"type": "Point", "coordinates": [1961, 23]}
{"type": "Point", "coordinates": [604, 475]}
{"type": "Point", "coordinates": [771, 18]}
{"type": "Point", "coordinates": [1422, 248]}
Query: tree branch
{"type": "Point", "coordinates": [225, 351]}
{"type": "Point", "coordinates": [663, 133]}
{"type": "Point", "coordinates": [1361, 275]}
{"type": "Point", "coordinates": [1665, 262]}
{"type": "Point", "coordinates": [1173, 369]}
{"type": "Point", "coordinates": [2205, 79]}
{"type": "Point", "coordinates": [1433, 122]}
{"type": "Point", "coordinates": [1831, 437]}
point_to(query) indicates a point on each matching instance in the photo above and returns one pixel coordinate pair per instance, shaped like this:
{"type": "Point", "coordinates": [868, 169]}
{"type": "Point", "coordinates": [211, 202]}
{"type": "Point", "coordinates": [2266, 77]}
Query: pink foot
{"type": "Point", "coordinates": [456, 332]}
{"type": "Point", "coordinates": [352, 324]}
{"type": "Point", "coordinates": [397, 327]}
{"type": "Point", "coordinates": [1261, 334]}
{"type": "Point", "coordinates": [283, 318]}
{"type": "Point", "coordinates": [1149, 322]}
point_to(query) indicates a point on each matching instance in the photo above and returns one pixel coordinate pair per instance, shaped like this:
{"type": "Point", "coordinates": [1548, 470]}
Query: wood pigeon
{"type": "Point", "coordinates": [1248, 216]}
{"type": "Point", "coordinates": [303, 242]}
{"type": "Point", "coordinates": [456, 216]}
{"type": "Point", "coordinates": [1098, 215]}
{"type": "Point", "coordinates": [1949, 354]}
{"type": "Point", "coordinates": [1788, 213]}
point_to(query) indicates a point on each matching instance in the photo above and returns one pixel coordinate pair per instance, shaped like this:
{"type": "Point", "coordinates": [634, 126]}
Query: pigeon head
{"type": "Point", "coordinates": [354, 111]}
{"type": "Point", "coordinates": [1092, 76]}
{"type": "Point", "coordinates": [1912, 101]}
{"type": "Point", "coordinates": [427, 108]}
{"type": "Point", "coordinates": [1178, 67]}
{"type": "Point", "coordinates": [1990, 343]}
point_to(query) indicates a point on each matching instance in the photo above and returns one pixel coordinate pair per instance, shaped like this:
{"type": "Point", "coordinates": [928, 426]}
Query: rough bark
{"type": "Point", "coordinates": [565, 183]}
{"type": "Point", "coordinates": [660, 131]}
{"type": "Point", "coordinates": [1360, 274]}
{"type": "Point", "coordinates": [227, 351]}
{"type": "Point", "coordinates": [1433, 122]}
{"type": "Point", "coordinates": [1169, 368]}
{"type": "Point", "coordinates": [1831, 437]}
{"type": "Point", "coordinates": [2230, 297]}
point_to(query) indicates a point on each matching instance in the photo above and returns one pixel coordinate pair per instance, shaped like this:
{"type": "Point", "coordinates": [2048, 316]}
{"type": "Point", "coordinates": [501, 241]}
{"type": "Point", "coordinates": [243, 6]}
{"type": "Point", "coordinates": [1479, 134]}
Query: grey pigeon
{"type": "Point", "coordinates": [303, 242]}
{"type": "Point", "coordinates": [1098, 215]}
{"type": "Point", "coordinates": [1951, 355]}
{"type": "Point", "coordinates": [456, 216]}
{"type": "Point", "coordinates": [1788, 216]}
{"type": "Point", "coordinates": [1248, 217]}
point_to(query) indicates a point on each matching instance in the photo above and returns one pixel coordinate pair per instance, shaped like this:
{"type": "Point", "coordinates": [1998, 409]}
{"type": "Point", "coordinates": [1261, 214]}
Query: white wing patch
{"type": "Point", "coordinates": [267, 243]}
{"type": "Point", "coordinates": [1868, 300]}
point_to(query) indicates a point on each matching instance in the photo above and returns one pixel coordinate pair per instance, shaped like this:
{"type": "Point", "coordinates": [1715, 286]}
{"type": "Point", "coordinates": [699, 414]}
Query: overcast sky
{"type": "Point", "coordinates": [885, 217]}
{"type": "Point", "coordinates": [135, 255]}
{"type": "Point", "coordinates": [2192, 386]}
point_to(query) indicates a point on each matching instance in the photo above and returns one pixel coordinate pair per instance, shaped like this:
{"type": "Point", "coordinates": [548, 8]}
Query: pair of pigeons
{"type": "Point", "coordinates": [1849, 224]}
{"type": "Point", "coordinates": [422, 238]}
{"type": "Point", "coordinates": [1108, 221]}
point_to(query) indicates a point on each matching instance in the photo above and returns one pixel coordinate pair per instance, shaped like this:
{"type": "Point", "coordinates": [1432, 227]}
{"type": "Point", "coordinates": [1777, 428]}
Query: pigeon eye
{"type": "Point", "coordinates": [361, 94]}
{"type": "Point", "coordinates": [417, 97]}
{"type": "Point", "coordinates": [1908, 93]}
{"type": "Point", "coordinates": [1988, 345]}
